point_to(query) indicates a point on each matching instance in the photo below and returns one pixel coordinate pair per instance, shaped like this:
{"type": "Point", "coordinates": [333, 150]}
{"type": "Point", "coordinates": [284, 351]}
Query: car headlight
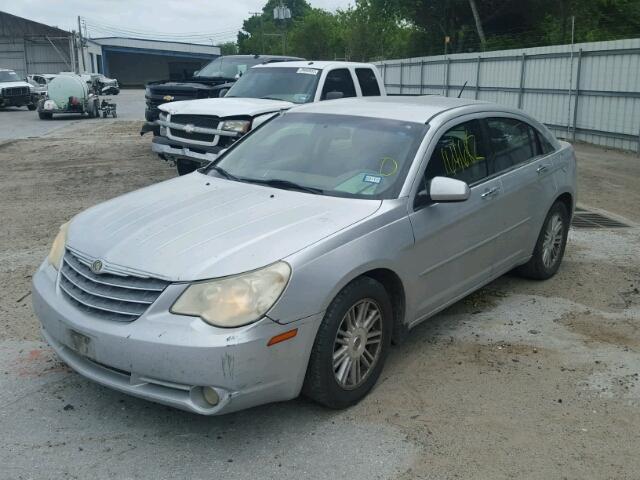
{"type": "Point", "coordinates": [237, 300]}
{"type": "Point", "coordinates": [239, 126]}
{"type": "Point", "coordinates": [147, 92]}
{"type": "Point", "coordinates": [57, 248]}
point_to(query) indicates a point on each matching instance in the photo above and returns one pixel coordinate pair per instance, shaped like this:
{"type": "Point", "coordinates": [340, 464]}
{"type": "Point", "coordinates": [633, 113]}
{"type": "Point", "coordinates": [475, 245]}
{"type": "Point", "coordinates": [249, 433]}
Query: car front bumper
{"type": "Point", "coordinates": [174, 150]}
{"type": "Point", "coordinates": [16, 101]}
{"type": "Point", "coordinates": [168, 358]}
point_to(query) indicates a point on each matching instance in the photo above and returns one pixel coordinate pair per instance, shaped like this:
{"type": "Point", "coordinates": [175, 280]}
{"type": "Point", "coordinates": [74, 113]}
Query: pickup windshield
{"type": "Point", "coordinates": [8, 76]}
{"type": "Point", "coordinates": [230, 68]}
{"type": "Point", "coordinates": [335, 155]}
{"type": "Point", "coordinates": [297, 85]}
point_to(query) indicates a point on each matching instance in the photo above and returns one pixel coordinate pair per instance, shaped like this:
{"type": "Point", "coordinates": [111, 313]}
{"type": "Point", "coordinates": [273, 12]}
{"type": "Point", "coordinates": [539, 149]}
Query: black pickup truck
{"type": "Point", "coordinates": [218, 75]}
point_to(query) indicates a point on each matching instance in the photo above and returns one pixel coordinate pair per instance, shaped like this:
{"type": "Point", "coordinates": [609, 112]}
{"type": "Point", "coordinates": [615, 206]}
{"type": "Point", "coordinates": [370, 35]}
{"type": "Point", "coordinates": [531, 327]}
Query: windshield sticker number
{"type": "Point", "coordinates": [372, 179]}
{"type": "Point", "coordinates": [308, 71]}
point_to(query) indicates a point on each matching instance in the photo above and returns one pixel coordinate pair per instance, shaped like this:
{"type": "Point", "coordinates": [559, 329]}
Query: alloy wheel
{"type": "Point", "coordinates": [552, 243]}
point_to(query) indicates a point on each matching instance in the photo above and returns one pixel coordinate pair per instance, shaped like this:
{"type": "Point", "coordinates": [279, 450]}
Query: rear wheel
{"type": "Point", "coordinates": [45, 115]}
{"type": "Point", "coordinates": [31, 107]}
{"type": "Point", "coordinates": [351, 345]}
{"type": "Point", "coordinates": [549, 249]}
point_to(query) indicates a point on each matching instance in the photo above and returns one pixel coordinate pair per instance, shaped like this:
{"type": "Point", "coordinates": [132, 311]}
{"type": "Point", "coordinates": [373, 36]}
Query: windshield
{"type": "Point", "coordinates": [336, 155]}
{"type": "Point", "coordinates": [228, 67]}
{"type": "Point", "coordinates": [8, 76]}
{"type": "Point", "coordinates": [297, 85]}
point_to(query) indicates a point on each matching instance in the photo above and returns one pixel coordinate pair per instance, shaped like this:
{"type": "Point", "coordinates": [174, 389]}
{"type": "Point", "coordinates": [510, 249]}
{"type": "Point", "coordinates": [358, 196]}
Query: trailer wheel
{"type": "Point", "coordinates": [45, 115]}
{"type": "Point", "coordinates": [31, 107]}
{"type": "Point", "coordinates": [114, 114]}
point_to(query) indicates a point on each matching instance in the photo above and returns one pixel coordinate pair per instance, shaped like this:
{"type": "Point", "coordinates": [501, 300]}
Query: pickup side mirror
{"type": "Point", "coordinates": [444, 190]}
{"type": "Point", "coordinates": [223, 92]}
{"type": "Point", "coordinates": [333, 95]}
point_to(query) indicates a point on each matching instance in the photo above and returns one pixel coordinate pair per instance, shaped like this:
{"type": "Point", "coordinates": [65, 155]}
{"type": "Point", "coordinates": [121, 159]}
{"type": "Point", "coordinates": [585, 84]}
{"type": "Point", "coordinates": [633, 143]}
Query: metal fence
{"type": "Point", "coordinates": [588, 91]}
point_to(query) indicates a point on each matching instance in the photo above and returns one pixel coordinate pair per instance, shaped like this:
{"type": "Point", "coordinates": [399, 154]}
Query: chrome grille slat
{"type": "Point", "coordinates": [115, 297]}
{"type": "Point", "coordinates": [88, 288]}
{"type": "Point", "coordinates": [132, 283]}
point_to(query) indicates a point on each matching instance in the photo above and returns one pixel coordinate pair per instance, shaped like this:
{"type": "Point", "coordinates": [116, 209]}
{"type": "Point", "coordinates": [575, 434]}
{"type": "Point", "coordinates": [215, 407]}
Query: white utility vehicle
{"type": "Point", "coordinates": [14, 91]}
{"type": "Point", "coordinates": [194, 132]}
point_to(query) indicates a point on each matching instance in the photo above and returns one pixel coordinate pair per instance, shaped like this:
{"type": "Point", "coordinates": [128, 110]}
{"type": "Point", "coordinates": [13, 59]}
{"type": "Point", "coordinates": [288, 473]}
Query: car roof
{"type": "Point", "coordinates": [263, 57]}
{"type": "Point", "coordinates": [420, 109]}
{"type": "Point", "coordinates": [321, 65]}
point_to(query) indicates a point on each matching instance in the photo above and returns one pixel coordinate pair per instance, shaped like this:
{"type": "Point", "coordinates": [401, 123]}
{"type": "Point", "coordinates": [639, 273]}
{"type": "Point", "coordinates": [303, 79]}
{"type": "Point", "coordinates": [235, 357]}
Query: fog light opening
{"type": "Point", "coordinates": [210, 396]}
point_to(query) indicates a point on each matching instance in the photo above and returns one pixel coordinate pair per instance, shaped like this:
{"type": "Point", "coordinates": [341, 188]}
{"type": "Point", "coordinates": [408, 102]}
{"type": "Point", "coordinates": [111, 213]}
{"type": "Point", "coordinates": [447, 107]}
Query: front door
{"type": "Point", "coordinates": [455, 243]}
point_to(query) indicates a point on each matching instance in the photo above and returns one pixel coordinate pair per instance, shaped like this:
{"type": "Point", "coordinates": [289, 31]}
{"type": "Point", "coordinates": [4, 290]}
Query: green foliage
{"type": "Point", "coordinates": [376, 29]}
{"type": "Point", "coordinates": [228, 48]}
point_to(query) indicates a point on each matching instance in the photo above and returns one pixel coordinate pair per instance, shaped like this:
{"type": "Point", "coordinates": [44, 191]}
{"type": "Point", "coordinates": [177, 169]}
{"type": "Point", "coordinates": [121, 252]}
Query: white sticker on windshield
{"type": "Point", "coordinates": [308, 71]}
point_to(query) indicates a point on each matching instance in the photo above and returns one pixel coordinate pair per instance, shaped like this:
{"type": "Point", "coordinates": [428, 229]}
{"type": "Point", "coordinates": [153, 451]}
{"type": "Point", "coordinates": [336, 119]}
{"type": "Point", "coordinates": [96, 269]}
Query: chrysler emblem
{"type": "Point", "coordinates": [189, 128]}
{"type": "Point", "coordinates": [167, 98]}
{"type": "Point", "coordinates": [96, 266]}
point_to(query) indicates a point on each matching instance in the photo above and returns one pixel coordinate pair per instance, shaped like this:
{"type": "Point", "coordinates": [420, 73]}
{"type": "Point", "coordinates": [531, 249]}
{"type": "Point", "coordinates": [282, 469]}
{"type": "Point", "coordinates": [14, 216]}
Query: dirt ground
{"type": "Point", "coordinates": [522, 379]}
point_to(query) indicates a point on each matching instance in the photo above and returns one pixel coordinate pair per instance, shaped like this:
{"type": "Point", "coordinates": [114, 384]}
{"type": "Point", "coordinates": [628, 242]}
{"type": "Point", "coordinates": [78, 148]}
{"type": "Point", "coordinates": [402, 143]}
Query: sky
{"type": "Point", "coordinates": [216, 18]}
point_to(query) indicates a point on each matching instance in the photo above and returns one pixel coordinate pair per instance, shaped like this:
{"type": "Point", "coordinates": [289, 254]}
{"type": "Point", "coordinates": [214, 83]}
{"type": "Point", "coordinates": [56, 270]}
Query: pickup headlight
{"type": "Point", "coordinates": [147, 92]}
{"type": "Point", "coordinates": [57, 248]}
{"type": "Point", "coordinates": [239, 126]}
{"type": "Point", "coordinates": [237, 300]}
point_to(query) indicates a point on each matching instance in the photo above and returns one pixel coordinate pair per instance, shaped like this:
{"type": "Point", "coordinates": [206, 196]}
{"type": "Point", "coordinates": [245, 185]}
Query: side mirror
{"type": "Point", "coordinates": [444, 189]}
{"type": "Point", "coordinates": [334, 95]}
{"type": "Point", "coordinates": [223, 92]}
{"type": "Point", "coordinates": [196, 72]}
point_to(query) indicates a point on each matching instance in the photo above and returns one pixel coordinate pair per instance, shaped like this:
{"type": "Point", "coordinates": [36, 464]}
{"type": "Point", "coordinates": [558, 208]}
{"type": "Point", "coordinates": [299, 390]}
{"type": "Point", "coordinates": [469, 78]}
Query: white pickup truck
{"type": "Point", "coordinates": [194, 132]}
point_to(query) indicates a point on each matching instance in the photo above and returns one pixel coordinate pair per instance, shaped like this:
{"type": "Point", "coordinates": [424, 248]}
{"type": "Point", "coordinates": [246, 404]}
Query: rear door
{"type": "Point", "coordinates": [338, 80]}
{"type": "Point", "coordinates": [517, 158]}
{"type": "Point", "coordinates": [455, 243]}
{"type": "Point", "coordinates": [369, 85]}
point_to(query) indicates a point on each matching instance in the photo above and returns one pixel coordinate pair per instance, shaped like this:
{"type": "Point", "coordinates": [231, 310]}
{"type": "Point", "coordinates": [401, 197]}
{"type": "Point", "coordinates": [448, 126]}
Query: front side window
{"type": "Point", "coordinates": [368, 82]}
{"type": "Point", "coordinates": [339, 80]}
{"type": "Point", "coordinates": [297, 85]}
{"type": "Point", "coordinates": [336, 155]}
{"type": "Point", "coordinates": [460, 154]}
{"type": "Point", "coordinates": [513, 142]}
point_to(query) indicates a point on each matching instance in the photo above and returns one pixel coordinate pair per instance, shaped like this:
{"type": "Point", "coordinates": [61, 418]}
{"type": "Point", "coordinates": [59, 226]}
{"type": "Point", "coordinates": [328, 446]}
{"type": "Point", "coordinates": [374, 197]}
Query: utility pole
{"type": "Point", "coordinates": [84, 69]}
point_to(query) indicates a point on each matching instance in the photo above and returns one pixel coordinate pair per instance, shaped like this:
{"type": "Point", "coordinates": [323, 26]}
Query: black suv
{"type": "Point", "coordinates": [206, 83]}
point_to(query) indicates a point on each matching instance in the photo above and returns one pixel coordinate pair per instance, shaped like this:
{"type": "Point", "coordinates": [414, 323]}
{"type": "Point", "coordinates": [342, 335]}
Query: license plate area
{"type": "Point", "coordinates": [80, 343]}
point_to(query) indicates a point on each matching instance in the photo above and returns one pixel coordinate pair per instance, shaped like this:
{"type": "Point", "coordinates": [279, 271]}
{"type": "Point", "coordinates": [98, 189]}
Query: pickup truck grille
{"type": "Point", "coordinates": [122, 298]}
{"type": "Point", "coordinates": [15, 91]}
{"type": "Point", "coordinates": [205, 121]}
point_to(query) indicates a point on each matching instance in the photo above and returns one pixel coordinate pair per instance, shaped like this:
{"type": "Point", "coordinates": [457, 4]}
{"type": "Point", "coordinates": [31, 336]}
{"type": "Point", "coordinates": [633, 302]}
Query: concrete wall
{"type": "Point", "coordinates": [588, 92]}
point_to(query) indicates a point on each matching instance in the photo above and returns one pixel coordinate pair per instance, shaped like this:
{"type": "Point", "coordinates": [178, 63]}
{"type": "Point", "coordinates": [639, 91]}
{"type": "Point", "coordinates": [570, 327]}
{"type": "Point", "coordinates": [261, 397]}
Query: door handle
{"type": "Point", "coordinates": [492, 191]}
{"type": "Point", "coordinates": [542, 168]}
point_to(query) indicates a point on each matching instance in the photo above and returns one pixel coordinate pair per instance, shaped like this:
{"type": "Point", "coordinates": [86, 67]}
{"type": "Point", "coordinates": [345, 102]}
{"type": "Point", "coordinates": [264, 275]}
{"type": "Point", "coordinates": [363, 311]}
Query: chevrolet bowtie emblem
{"type": "Point", "coordinates": [189, 128]}
{"type": "Point", "coordinates": [167, 98]}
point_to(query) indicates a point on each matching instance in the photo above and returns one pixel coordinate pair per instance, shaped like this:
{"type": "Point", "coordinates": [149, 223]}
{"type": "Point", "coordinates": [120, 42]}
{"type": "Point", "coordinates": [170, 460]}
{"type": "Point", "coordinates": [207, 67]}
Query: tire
{"type": "Point", "coordinates": [31, 107]}
{"type": "Point", "coordinates": [549, 250]}
{"type": "Point", "coordinates": [104, 114]}
{"type": "Point", "coordinates": [186, 166]}
{"type": "Point", "coordinates": [45, 115]}
{"type": "Point", "coordinates": [321, 381]}
{"type": "Point", "coordinates": [114, 114]}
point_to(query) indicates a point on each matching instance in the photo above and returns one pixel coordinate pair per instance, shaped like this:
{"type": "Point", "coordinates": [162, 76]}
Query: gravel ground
{"type": "Point", "coordinates": [522, 379]}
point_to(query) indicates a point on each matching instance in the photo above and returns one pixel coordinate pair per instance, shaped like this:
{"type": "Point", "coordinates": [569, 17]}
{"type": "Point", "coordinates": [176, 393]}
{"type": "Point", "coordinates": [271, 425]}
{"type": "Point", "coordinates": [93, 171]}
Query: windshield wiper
{"type": "Point", "coordinates": [271, 98]}
{"type": "Point", "coordinates": [224, 173]}
{"type": "Point", "coordinates": [284, 184]}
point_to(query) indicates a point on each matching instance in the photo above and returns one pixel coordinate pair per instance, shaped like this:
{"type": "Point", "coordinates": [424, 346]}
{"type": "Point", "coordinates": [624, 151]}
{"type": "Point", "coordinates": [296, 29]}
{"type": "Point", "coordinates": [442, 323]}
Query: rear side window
{"type": "Point", "coordinates": [513, 142]}
{"type": "Point", "coordinates": [368, 82]}
{"type": "Point", "coordinates": [339, 81]}
{"type": "Point", "coordinates": [545, 145]}
{"type": "Point", "coordinates": [460, 154]}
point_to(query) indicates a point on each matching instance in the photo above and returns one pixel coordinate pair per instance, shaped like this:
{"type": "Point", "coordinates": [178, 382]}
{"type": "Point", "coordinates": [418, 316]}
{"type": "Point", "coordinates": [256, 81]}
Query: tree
{"type": "Point", "coordinates": [228, 48]}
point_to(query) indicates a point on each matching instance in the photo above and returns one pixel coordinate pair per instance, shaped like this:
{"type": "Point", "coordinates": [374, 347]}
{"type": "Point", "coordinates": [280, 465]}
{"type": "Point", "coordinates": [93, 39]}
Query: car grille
{"type": "Point", "coordinates": [15, 91]}
{"type": "Point", "coordinates": [204, 121]}
{"type": "Point", "coordinates": [121, 298]}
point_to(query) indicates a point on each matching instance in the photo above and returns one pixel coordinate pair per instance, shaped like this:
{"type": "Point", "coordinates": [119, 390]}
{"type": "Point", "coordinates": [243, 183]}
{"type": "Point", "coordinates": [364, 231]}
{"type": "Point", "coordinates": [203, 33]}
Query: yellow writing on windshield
{"type": "Point", "coordinates": [460, 155]}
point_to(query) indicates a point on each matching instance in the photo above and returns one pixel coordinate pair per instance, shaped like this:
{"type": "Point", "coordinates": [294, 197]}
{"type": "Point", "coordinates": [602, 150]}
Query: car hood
{"type": "Point", "coordinates": [226, 107]}
{"type": "Point", "coordinates": [196, 227]}
{"type": "Point", "coordinates": [14, 84]}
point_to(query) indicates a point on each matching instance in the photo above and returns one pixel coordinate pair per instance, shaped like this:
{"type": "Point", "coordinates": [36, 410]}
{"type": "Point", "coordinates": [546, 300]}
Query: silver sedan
{"type": "Point", "coordinates": [290, 263]}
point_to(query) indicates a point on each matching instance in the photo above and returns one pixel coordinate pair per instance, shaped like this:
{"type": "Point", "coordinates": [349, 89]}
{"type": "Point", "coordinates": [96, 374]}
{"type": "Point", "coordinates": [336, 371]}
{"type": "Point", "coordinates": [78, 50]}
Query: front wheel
{"type": "Point", "coordinates": [31, 107]}
{"type": "Point", "coordinates": [549, 249]}
{"type": "Point", "coordinates": [351, 345]}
